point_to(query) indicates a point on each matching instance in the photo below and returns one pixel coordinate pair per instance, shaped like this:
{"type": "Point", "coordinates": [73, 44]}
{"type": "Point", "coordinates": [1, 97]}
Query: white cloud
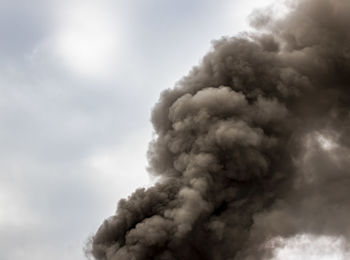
{"type": "Point", "coordinates": [15, 212]}
{"type": "Point", "coordinates": [117, 170]}
{"type": "Point", "coordinates": [310, 247]}
{"type": "Point", "coordinates": [88, 37]}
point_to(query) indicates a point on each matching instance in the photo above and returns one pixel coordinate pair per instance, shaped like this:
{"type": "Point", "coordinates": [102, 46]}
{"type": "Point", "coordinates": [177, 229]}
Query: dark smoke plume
{"type": "Point", "coordinates": [252, 144]}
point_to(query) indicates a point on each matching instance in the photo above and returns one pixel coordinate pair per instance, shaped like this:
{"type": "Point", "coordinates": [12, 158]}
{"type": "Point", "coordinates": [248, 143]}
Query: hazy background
{"type": "Point", "coordinates": [78, 80]}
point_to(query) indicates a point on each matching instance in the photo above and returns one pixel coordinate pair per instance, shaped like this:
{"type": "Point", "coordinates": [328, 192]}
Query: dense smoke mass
{"type": "Point", "coordinates": [251, 145]}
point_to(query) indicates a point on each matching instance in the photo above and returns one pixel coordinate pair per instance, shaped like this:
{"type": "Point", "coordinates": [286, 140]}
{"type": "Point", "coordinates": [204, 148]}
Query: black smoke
{"type": "Point", "coordinates": [252, 144]}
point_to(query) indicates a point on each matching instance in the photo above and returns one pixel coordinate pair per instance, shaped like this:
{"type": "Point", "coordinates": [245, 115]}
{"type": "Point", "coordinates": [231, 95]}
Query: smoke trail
{"type": "Point", "coordinates": [239, 147]}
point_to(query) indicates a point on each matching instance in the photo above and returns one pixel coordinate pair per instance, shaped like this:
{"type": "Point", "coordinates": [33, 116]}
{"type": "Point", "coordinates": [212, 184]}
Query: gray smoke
{"type": "Point", "coordinates": [252, 144]}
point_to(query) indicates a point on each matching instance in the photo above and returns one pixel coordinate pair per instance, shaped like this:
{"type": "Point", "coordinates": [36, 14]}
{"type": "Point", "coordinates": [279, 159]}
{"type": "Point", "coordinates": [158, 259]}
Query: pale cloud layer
{"type": "Point", "coordinates": [78, 80]}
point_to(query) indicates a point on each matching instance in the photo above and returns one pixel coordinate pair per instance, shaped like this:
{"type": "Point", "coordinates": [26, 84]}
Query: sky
{"type": "Point", "coordinates": [78, 80]}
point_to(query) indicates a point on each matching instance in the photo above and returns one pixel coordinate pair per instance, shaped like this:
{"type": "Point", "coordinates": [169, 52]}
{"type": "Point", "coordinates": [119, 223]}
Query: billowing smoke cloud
{"type": "Point", "coordinates": [253, 144]}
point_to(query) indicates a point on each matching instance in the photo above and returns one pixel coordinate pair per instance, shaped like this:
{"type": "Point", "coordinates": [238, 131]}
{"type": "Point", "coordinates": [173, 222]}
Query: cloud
{"type": "Point", "coordinates": [311, 247]}
{"type": "Point", "coordinates": [88, 38]}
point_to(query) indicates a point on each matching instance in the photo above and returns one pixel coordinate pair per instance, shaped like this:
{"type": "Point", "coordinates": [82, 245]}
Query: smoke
{"type": "Point", "coordinates": [252, 144]}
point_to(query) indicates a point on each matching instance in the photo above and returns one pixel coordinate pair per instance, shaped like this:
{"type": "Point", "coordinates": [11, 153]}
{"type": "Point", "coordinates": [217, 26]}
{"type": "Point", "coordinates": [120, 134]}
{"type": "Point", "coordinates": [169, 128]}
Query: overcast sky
{"type": "Point", "coordinates": [78, 80]}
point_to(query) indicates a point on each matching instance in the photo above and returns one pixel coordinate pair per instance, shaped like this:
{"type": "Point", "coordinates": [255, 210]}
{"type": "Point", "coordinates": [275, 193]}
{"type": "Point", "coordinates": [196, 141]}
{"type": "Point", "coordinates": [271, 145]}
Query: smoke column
{"type": "Point", "coordinates": [251, 145]}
